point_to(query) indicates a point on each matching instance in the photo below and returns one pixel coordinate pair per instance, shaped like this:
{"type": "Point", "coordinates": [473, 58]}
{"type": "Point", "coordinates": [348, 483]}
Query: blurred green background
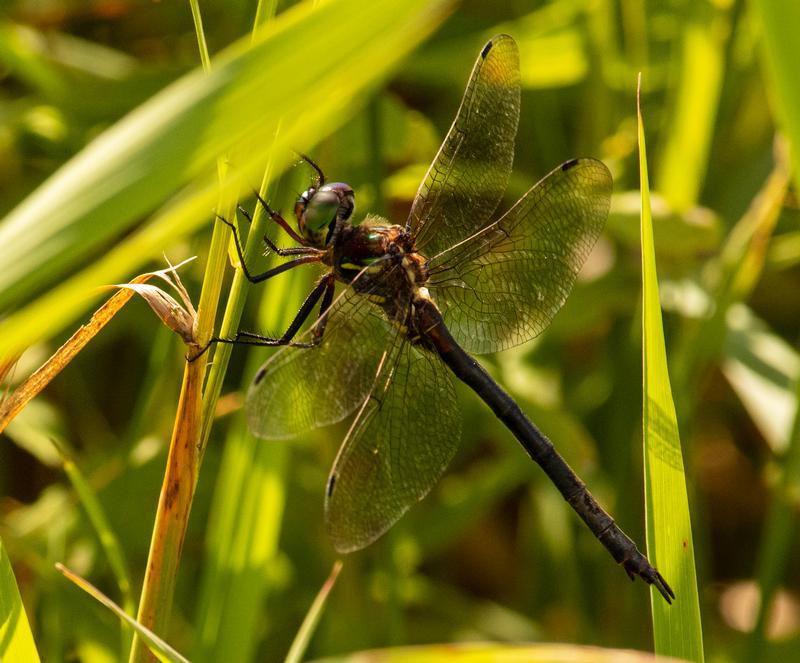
{"type": "Point", "coordinates": [493, 553]}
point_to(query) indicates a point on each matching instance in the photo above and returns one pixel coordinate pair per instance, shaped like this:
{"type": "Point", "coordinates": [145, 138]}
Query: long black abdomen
{"type": "Point", "coordinates": [538, 447]}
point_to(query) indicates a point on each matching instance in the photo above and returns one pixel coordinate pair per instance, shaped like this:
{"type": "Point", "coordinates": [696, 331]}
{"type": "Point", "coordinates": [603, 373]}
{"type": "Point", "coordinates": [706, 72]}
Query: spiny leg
{"type": "Point", "coordinates": [320, 175]}
{"type": "Point", "coordinates": [323, 289]}
{"type": "Point", "coordinates": [277, 218]}
{"type": "Point", "coordinates": [292, 251]}
{"type": "Point", "coordinates": [310, 255]}
{"type": "Point", "coordinates": [322, 320]}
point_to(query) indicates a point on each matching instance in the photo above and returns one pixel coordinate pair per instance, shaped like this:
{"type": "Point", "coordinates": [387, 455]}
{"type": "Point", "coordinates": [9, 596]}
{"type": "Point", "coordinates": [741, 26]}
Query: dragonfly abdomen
{"type": "Point", "coordinates": [539, 448]}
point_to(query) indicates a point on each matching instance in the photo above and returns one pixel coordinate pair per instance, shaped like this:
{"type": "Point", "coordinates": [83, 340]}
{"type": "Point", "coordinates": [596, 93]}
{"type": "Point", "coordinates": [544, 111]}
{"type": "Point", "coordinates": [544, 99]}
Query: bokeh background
{"type": "Point", "coordinates": [493, 553]}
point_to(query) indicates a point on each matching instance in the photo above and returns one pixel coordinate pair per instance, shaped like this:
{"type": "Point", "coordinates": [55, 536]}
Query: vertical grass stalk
{"type": "Point", "coordinates": [677, 628]}
{"type": "Point", "coordinates": [186, 445]}
{"type": "Point", "coordinates": [249, 495]}
{"type": "Point", "coordinates": [779, 528]}
{"type": "Point", "coordinates": [694, 105]}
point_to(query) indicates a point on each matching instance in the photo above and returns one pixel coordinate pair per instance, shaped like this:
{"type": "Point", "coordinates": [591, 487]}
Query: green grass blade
{"type": "Point", "coordinates": [108, 540]}
{"type": "Point", "coordinates": [97, 517]}
{"type": "Point", "coordinates": [311, 620]}
{"type": "Point", "coordinates": [779, 21]}
{"type": "Point", "coordinates": [175, 138]}
{"type": "Point", "coordinates": [694, 105]}
{"type": "Point", "coordinates": [16, 639]}
{"type": "Point", "coordinates": [247, 512]}
{"type": "Point", "coordinates": [161, 650]}
{"type": "Point", "coordinates": [677, 629]}
{"type": "Point", "coordinates": [265, 12]}
{"type": "Point", "coordinates": [237, 295]}
{"type": "Point", "coordinates": [779, 528]}
{"type": "Point", "coordinates": [205, 59]}
{"type": "Point", "coordinates": [242, 547]}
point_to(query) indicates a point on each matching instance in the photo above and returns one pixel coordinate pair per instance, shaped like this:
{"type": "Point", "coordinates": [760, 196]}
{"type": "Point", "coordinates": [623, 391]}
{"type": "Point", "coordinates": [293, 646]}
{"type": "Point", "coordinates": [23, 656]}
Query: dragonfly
{"type": "Point", "coordinates": [418, 300]}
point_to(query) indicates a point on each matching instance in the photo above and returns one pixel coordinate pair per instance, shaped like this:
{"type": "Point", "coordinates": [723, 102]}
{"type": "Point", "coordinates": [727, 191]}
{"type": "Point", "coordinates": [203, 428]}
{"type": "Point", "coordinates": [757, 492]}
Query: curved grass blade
{"type": "Point", "coordinates": [676, 629]}
{"type": "Point", "coordinates": [161, 650]}
{"type": "Point", "coordinates": [16, 639]}
{"type": "Point", "coordinates": [174, 140]}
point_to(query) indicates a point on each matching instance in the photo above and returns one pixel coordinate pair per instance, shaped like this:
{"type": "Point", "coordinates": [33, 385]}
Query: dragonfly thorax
{"type": "Point", "coordinates": [379, 260]}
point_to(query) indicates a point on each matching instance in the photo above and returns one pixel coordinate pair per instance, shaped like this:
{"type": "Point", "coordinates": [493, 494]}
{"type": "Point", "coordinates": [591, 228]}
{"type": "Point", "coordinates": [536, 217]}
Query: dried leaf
{"type": "Point", "coordinates": [171, 313]}
{"type": "Point", "coordinates": [39, 379]}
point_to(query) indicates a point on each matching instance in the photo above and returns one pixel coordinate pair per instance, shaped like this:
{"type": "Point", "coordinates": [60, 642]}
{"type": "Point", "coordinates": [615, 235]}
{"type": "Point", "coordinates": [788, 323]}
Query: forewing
{"type": "Point", "coordinates": [503, 286]}
{"type": "Point", "coordinates": [469, 175]}
{"type": "Point", "coordinates": [398, 447]}
{"type": "Point", "coordinates": [302, 388]}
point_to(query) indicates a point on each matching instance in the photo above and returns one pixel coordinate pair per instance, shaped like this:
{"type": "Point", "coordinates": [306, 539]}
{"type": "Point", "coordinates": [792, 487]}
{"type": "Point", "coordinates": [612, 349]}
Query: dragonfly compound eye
{"type": "Point", "coordinates": [316, 210]}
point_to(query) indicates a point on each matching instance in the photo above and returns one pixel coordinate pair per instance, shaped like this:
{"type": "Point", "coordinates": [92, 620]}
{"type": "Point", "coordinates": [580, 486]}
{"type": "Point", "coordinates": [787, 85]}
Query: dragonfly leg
{"type": "Point", "coordinates": [292, 251]}
{"type": "Point", "coordinates": [324, 289]}
{"type": "Point", "coordinates": [283, 223]}
{"type": "Point", "coordinates": [322, 320]}
{"type": "Point", "coordinates": [306, 257]}
{"type": "Point", "coordinates": [320, 175]}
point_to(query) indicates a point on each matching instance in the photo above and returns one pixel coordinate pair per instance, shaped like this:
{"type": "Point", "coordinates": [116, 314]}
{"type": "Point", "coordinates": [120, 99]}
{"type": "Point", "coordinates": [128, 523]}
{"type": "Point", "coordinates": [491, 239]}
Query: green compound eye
{"type": "Point", "coordinates": [318, 210]}
{"type": "Point", "coordinates": [321, 209]}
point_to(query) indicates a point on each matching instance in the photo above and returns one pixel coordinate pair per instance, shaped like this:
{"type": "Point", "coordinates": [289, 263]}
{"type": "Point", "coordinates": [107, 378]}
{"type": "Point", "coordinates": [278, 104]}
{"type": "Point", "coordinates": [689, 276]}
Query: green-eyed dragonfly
{"type": "Point", "coordinates": [417, 299]}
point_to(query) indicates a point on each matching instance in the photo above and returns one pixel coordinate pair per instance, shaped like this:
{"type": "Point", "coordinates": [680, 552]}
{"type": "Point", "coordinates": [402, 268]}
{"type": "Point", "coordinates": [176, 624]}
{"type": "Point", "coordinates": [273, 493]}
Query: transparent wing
{"type": "Point", "coordinates": [397, 448]}
{"type": "Point", "coordinates": [502, 286]}
{"type": "Point", "coordinates": [302, 388]}
{"type": "Point", "coordinates": [469, 175]}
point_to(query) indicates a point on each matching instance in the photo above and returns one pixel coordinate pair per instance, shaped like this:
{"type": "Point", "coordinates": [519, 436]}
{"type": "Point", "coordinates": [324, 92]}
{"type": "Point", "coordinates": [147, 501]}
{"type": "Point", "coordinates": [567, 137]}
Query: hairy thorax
{"type": "Point", "coordinates": [379, 261]}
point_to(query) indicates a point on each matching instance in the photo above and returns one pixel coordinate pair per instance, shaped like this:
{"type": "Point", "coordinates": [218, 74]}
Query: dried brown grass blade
{"type": "Point", "coordinates": [40, 378]}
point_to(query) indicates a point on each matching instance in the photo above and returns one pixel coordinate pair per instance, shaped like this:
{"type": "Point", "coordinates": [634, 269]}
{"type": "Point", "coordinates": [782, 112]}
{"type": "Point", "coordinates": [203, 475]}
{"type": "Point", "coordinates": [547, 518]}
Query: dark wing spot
{"type": "Point", "coordinates": [486, 49]}
{"type": "Point", "coordinates": [331, 484]}
{"type": "Point", "coordinates": [569, 164]}
{"type": "Point", "coordinates": [259, 376]}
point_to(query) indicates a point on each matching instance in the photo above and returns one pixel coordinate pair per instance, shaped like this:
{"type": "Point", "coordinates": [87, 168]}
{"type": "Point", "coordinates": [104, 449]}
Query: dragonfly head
{"type": "Point", "coordinates": [321, 208]}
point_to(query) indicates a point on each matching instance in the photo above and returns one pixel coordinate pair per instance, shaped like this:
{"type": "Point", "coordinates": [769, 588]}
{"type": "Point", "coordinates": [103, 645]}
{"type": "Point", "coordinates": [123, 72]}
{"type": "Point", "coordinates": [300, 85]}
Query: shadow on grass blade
{"type": "Point", "coordinates": [676, 630]}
